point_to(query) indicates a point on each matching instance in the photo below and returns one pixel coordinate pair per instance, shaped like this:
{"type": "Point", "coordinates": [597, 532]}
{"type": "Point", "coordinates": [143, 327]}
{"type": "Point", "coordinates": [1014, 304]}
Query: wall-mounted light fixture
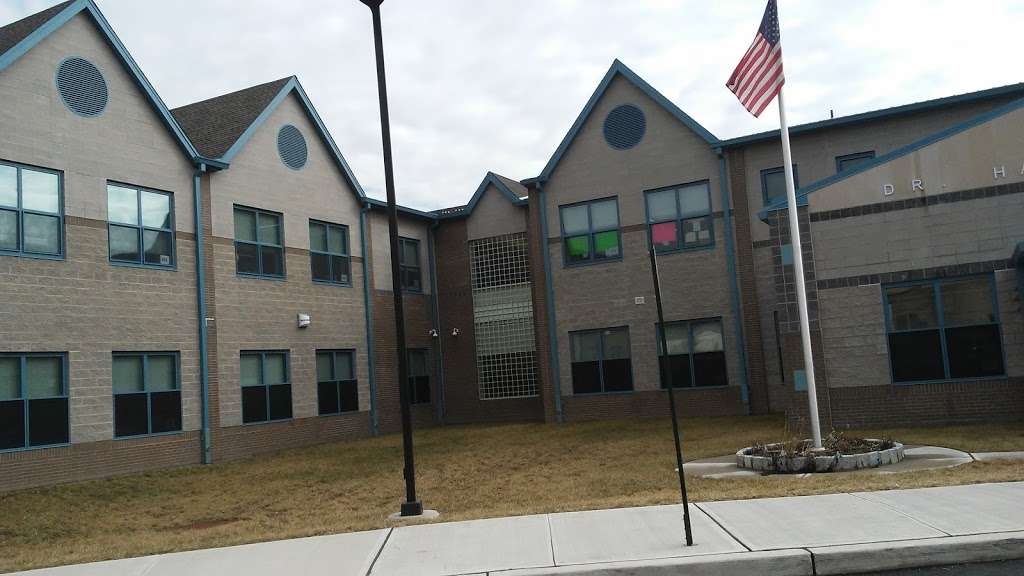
{"type": "Point", "coordinates": [455, 331]}
{"type": "Point", "coordinates": [304, 320]}
{"type": "Point", "coordinates": [433, 332]}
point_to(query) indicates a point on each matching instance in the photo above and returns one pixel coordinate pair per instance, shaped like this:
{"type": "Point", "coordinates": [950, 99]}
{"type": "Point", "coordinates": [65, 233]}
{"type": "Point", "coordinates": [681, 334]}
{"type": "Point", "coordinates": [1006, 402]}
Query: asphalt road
{"type": "Point", "coordinates": [1011, 568]}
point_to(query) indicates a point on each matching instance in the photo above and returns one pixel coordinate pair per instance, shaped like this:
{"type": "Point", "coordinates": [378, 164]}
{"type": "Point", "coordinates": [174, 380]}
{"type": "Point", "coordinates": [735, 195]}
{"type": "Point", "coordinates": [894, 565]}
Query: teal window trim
{"type": "Point", "coordinates": [410, 267]}
{"type": "Point", "coordinates": [262, 354]}
{"type": "Point", "coordinates": [145, 356]}
{"type": "Point", "coordinates": [601, 359]}
{"type": "Point", "coordinates": [856, 158]}
{"type": "Point", "coordinates": [591, 233]}
{"type": "Point", "coordinates": [680, 220]}
{"type": "Point", "coordinates": [20, 213]}
{"type": "Point", "coordinates": [331, 228]}
{"type": "Point", "coordinates": [415, 398]}
{"type": "Point", "coordinates": [941, 327]}
{"type": "Point", "coordinates": [777, 170]}
{"type": "Point", "coordinates": [261, 245]}
{"type": "Point", "coordinates": [337, 383]}
{"type": "Point", "coordinates": [690, 351]}
{"type": "Point", "coordinates": [141, 229]}
{"type": "Point", "coordinates": [25, 400]}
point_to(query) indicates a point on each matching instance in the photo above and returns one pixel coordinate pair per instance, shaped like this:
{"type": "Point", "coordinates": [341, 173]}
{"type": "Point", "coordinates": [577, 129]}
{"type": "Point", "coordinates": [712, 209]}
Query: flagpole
{"type": "Point", "coordinates": [798, 265]}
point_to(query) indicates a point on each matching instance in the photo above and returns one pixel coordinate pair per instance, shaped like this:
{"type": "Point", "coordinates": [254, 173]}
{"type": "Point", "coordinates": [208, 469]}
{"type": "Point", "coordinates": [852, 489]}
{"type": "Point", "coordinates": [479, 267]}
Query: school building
{"type": "Point", "coordinates": [199, 284]}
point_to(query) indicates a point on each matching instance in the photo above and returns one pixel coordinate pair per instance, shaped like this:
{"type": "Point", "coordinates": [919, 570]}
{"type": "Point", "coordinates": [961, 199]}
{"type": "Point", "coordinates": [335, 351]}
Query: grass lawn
{"type": "Point", "coordinates": [465, 472]}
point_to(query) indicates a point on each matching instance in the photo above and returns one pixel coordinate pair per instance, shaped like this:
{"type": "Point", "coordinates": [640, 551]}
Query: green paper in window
{"type": "Point", "coordinates": [578, 248]}
{"type": "Point", "coordinates": [606, 244]}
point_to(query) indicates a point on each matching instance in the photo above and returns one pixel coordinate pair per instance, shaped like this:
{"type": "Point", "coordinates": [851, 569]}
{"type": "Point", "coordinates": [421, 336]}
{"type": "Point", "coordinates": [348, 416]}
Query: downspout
{"type": "Point", "coordinates": [556, 377]}
{"type": "Point", "coordinates": [734, 287]}
{"type": "Point", "coordinates": [204, 367]}
{"type": "Point", "coordinates": [368, 310]}
{"type": "Point", "coordinates": [436, 321]}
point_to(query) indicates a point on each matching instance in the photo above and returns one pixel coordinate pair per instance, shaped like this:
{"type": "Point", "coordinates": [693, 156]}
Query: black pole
{"type": "Point", "coordinates": [667, 372]}
{"type": "Point", "coordinates": [411, 506]}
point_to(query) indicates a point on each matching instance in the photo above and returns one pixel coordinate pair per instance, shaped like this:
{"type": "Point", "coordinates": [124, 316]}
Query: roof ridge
{"type": "Point", "coordinates": [281, 81]}
{"type": "Point", "coordinates": [13, 33]}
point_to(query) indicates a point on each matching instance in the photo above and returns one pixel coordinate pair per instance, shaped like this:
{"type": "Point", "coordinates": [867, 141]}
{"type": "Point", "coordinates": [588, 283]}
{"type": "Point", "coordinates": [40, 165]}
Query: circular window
{"type": "Point", "coordinates": [82, 87]}
{"type": "Point", "coordinates": [291, 145]}
{"type": "Point", "coordinates": [624, 127]}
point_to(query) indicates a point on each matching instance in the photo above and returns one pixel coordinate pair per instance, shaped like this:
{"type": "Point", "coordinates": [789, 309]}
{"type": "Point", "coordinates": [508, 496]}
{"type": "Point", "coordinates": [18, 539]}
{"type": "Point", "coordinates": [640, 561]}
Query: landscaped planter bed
{"type": "Point", "coordinates": [836, 456]}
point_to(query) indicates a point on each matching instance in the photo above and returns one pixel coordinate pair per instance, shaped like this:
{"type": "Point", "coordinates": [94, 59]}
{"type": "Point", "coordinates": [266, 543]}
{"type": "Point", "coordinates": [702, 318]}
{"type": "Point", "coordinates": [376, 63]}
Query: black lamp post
{"type": "Point", "coordinates": [411, 506]}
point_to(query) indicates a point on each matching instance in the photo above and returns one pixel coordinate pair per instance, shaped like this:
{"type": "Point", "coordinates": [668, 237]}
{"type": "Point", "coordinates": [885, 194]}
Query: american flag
{"type": "Point", "coordinates": [758, 77]}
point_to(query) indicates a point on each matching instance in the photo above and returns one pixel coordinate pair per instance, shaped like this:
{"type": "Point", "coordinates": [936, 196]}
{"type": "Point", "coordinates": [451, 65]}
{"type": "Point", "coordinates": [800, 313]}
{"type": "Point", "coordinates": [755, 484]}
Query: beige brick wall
{"type": "Point", "coordinates": [414, 228]}
{"type": "Point", "coordinates": [495, 215]}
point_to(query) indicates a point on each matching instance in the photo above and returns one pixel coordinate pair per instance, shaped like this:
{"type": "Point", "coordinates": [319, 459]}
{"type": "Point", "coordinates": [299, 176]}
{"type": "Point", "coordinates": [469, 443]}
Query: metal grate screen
{"type": "Point", "coordinates": [624, 127]}
{"type": "Point", "coordinates": [506, 356]}
{"type": "Point", "coordinates": [291, 145]}
{"type": "Point", "coordinates": [82, 87]}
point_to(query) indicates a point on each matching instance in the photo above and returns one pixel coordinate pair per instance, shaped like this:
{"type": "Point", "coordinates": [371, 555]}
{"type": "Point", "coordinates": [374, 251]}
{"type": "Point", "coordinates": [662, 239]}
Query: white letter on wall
{"type": "Point", "coordinates": [998, 171]}
{"type": "Point", "coordinates": [888, 190]}
{"type": "Point", "coordinates": [916, 184]}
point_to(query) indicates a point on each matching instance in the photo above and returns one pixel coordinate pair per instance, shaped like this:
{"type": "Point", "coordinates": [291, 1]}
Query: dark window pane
{"type": "Point", "coordinates": [338, 240]}
{"type": "Point", "coordinates": [48, 421]}
{"type": "Point", "coordinates": [247, 258]}
{"type": "Point", "coordinates": [577, 249]}
{"type": "Point", "coordinates": [410, 254]}
{"type": "Point", "coordinates": [327, 398]}
{"type": "Point", "coordinates": [254, 404]}
{"type": "Point", "coordinates": [42, 234]}
{"type": "Point", "coordinates": [317, 237]}
{"type": "Point", "coordinates": [697, 232]}
{"type": "Point", "coordinates": [855, 160]}
{"type": "Point", "coordinates": [606, 244]}
{"type": "Point", "coordinates": [166, 408]}
{"type": "Point", "coordinates": [270, 229]}
{"type": "Point", "coordinates": [967, 302]}
{"type": "Point", "coordinates": [339, 269]}
{"type": "Point", "coordinates": [349, 396]}
{"type": "Point", "coordinates": [280, 402]}
{"type": "Point", "coordinates": [420, 389]}
{"type": "Point", "coordinates": [411, 279]}
{"type": "Point", "coordinates": [617, 375]}
{"type": "Point", "coordinates": [124, 243]}
{"type": "Point", "coordinates": [12, 424]}
{"type": "Point", "coordinates": [916, 356]}
{"type": "Point", "coordinates": [321, 264]}
{"type": "Point", "coordinates": [245, 225]}
{"type": "Point", "coordinates": [774, 185]}
{"type": "Point", "coordinates": [130, 417]}
{"type": "Point", "coordinates": [709, 369]}
{"type": "Point", "coordinates": [8, 229]}
{"type": "Point", "coordinates": [912, 307]}
{"type": "Point", "coordinates": [974, 351]}
{"type": "Point", "coordinates": [679, 365]}
{"type": "Point", "coordinates": [273, 261]}
{"type": "Point", "coordinates": [158, 247]}
{"type": "Point", "coordinates": [586, 377]}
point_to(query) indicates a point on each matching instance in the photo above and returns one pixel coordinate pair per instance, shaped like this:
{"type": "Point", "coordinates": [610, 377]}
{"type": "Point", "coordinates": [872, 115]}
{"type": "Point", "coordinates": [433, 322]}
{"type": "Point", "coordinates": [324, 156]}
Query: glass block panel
{"type": "Point", "coordinates": [916, 356]}
{"type": "Point", "coordinates": [606, 244]}
{"type": "Point", "coordinates": [575, 220]}
{"type": "Point", "coordinates": [156, 210]}
{"type": "Point", "coordinates": [254, 404]}
{"type": "Point", "coordinates": [271, 261]}
{"type": "Point", "coordinates": [275, 369]}
{"type": "Point", "coordinates": [616, 344]}
{"type": "Point", "coordinates": [8, 230]}
{"type": "Point", "coordinates": [42, 234]}
{"type": "Point", "coordinates": [586, 347]}
{"type": "Point", "coordinates": [161, 374]}
{"type": "Point", "coordinates": [249, 370]}
{"type": "Point", "coordinates": [912, 307]}
{"type": "Point", "coordinates": [165, 411]}
{"type": "Point", "coordinates": [247, 258]}
{"type": "Point", "coordinates": [245, 225]}
{"type": "Point", "coordinates": [48, 422]}
{"type": "Point", "coordinates": [127, 374]}
{"type": "Point", "coordinates": [324, 370]}
{"type": "Point", "coordinates": [966, 302]}
{"type": "Point", "coordinates": [707, 337]}
{"type": "Point", "coordinates": [604, 215]}
{"type": "Point", "coordinates": [12, 424]}
{"type": "Point", "coordinates": [661, 205]}
{"type": "Point", "coordinates": [343, 369]}
{"type": "Point", "coordinates": [122, 205]}
{"type": "Point", "coordinates": [10, 378]}
{"type": "Point", "coordinates": [317, 237]}
{"type": "Point", "coordinates": [664, 235]}
{"type": "Point", "coordinates": [270, 229]}
{"type": "Point", "coordinates": [338, 240]}
{"type": "Point", "coordinates": [40, 191]}
{"type": "Point", "coordinates": [694, 200]}
{"type": "Point", "coordinates": [327, 398]}
{"type": "Point", "coordinates": [280, 402]}
{"type": "Point", "coordinates": [44, 377]}
{"type": "Point", "coordinates": [8, 186]}
{"type": "Point", "coordinates": [577, 249]}
{"type": "Point", "coordinates": [124, 243]}
{"type": "Point", "coordinates": [340, 269]}
{"type": "Point", "coordinates": [158, 247]}
{"type": "Point", "coordinates": [974, 351]}
{"type": "Point", "coordinates": [130, 415]}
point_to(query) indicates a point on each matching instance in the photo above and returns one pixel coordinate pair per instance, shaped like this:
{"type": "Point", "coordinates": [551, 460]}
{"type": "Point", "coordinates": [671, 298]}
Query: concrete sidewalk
{"type": "Point", "coordinates": [798, 536]}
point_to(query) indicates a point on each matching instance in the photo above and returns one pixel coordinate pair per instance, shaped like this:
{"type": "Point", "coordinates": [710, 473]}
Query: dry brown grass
{"type": "Point", "coordinates": [465, 472]}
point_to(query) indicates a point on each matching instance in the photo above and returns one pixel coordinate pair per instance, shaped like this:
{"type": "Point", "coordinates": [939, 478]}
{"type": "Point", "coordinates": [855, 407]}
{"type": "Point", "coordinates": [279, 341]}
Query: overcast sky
{"type": "Point", "coordinates": [478, 85]}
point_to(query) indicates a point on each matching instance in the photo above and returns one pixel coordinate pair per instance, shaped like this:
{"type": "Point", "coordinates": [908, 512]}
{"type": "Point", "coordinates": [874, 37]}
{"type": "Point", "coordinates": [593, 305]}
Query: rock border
{"type": "Point", "coordinates": [818, 464]}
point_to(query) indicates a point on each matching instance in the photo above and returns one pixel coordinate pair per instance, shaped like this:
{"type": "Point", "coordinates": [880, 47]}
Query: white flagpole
{"type": "Point", "coordinates": [798, 266]}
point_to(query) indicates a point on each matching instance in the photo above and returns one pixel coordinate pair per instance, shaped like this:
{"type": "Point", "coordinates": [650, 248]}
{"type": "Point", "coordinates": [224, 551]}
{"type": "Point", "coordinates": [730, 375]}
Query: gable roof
{"type": "Point", "coordinates": [619, 69]}
{"type": "Point", "coordinates": [222, 126]}
{"type": "Point", "coordinates": [19, 37]}
{"type": "Point", "coordinates": [513, 191]}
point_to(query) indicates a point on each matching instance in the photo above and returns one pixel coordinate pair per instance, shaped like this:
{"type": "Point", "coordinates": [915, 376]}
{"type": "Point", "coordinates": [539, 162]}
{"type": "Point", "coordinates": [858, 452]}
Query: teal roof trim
{"type": "Point", "coordinates": [291, 86]}
{"type": "Point", "coordinates": [490, 179]}
{"type": "Point", "coordinates": [65, 15]}
{"type": "Point", "coordinates": [618, 68]}
{"type": "Point", "coordinates": [375, 203]}
{"type": "Point", "coordinates": [903, 151]}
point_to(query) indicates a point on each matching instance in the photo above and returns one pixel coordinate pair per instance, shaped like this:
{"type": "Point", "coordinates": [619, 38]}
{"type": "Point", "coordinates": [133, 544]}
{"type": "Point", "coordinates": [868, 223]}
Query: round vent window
{"type": "Point", "coordinates": [82, 87]}
{"type": "Point", "coordinates": [291, 145]}
{"type": "Point", "coordinates": [624, 127]}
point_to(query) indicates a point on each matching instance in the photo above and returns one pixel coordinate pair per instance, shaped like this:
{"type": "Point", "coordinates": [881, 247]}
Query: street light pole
{"type": "Point", "coordinates": [411, 506]}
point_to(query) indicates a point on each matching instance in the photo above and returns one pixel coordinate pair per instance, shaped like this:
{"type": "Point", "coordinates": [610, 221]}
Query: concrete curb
{"type": "Point", "coordinates": [860, 558]}
{"type": "Point", "coordinates": [776, 563]}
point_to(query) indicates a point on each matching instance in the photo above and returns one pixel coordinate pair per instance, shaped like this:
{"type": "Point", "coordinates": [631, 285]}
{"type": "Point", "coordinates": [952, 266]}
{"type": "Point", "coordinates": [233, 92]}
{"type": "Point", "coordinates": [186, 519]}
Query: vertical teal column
{"type": "Point", "coordinates": [734, 287]}
{"type": "Point", "coordinates": [368, 315]}
{"type": "Point", "coordinates": [204, 366]}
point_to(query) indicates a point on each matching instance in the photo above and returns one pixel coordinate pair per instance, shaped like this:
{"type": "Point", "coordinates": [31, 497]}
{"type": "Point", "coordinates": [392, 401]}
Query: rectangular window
{"type": "Point", "coordinates": [147, 393]}
{"type": "Point", "coordinates": [419, 377]}
{"type": "Point", "coordinates": [33, 400]}
{"type": "Point", "coordinates": [601, 361]}
{"type": "Point", "coordinates": [680, 217]}
{"type": "Point", "coordinates": [773, 184]}
{"type": "Point", "coordinates": [696, 354]}
{"type": "Point", "coordinates": [336, 388]}
{"type": "Point", "coordinates": [853, 160]}
{"type": "Point", "coordinates": [266, 390]}
{"type": "Point", "coordinates": [409, 264]}
{"type": "Point", "coordinates": [31, 212]}
{"type": "Point", "coordinates": [943, 329]}
{"type": "Point", "coordinates": [590, 231]}
{"type": "Point", "coordinates": [140, 226]}
{"type": "Point", "coordinates": [329, 256]}
{"type": "Point", "coordinates": [259, 243]}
